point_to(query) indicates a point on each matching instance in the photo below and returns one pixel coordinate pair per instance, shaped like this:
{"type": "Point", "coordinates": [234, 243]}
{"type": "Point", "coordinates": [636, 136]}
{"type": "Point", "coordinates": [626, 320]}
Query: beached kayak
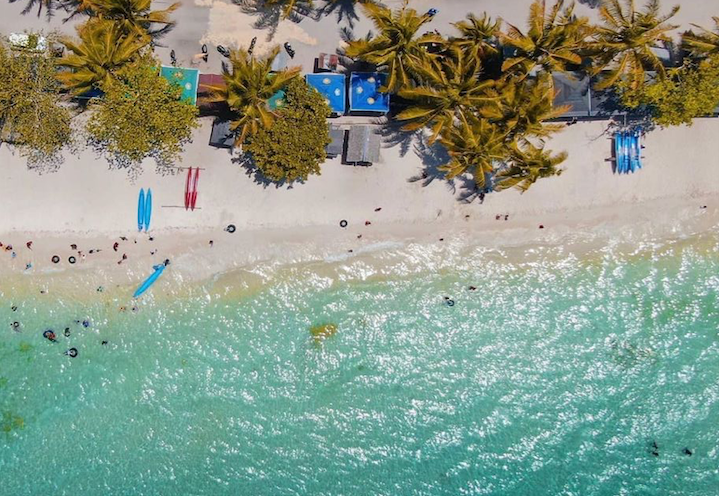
{"type": "Point", "coordinates": [150, 280]}
{"type": "Point", "coordinates": [141, 210]}
{"type": "Point", "coordinates": [148, 209]}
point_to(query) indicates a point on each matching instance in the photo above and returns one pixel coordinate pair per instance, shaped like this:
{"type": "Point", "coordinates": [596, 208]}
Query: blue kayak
{"type": "Point", "coordinates": [634, 155]}
{"type": "Point", "coordinates": [618, 149]}
{"type": "Point", "coordinates": [148, 209]}
{"type": "Point", "coordinates": [150, 280]}
{"type": "Point", "coordinates": [141, 210]}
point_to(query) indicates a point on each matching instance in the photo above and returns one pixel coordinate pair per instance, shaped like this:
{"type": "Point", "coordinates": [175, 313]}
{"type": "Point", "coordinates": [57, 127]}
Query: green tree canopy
{"type": "Point", "coordinates": [624, 41]}
{"type": "Point", "coordinates": [705, 43]}
{"type": "Point", "coordinates": [554, 40]}
{"type": "Point", "coordinates": [450, 85]}
{"type": "Point", "coordinates": [32, 116]}
{"type": "Point", "coordinates": [475, 146]}
{"type": "Point", "coordinates": [687, 92]}
{"type": "Point", "coordinates": [478, 36]}
{"type": "Point", "coordinates": [395, 48]}
{"type": "Point", "coordinates": [103, 50]}
{"type": "Point", "coordinates": [248, 85]}
{"type": "Point", "coordinates": [527, 164]}
{"type": "Point", "coordinates": [293, 147]}
{"type": "Point", "coordinates": [131, 16]}
{"type": "Point", "coordinates": [139, 116]}
{"type": "Point", "coordinates": [524, 107]}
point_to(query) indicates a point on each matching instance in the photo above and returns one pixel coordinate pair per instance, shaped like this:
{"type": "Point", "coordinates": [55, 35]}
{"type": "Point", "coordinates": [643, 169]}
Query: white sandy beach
{"type": "Point", "coordinates": [87, 204]}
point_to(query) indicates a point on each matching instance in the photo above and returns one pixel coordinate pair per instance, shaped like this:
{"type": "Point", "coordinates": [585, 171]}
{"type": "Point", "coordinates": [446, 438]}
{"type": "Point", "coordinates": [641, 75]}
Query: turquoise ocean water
{"type": "Point", "coordinates": [555, 376]}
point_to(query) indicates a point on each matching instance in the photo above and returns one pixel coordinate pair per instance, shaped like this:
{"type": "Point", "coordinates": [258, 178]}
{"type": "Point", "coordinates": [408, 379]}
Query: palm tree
{"type": "Point", "coordinates": [450, 86]}
{"type": "Point", "coordinates": [624, 42]}
{"type": "Point", "coordinates": [478, 36]}
{"type": "Point", "coordinates": [554, 40]}
{"type": "Point", "coordinates": [474, 145]}
{"type": "Point", "coordinates": [133, 15]}
{"type": "Point", "coordinates": [395, 48]}
{"type": "Point", "coordinates": [104, 48]}
{"type": "Point", "coordinates": [524, 105]}
{"type": "Point", "coordinates": [706, 43]}
{"type": "Point", "coordinates": [527, 166]}
{"type": "Point", "coordinates": [248, 86]}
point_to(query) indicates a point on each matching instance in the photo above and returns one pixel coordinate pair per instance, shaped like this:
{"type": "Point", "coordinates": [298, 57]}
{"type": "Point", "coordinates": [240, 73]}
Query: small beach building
{"type": "Point", "coordinates": [337, 144]}
{"type": "Point", "coordinates": [185, 78]}
{"type": "Point", "coordinates": [332, 87]}
{"type": "Point", "coordinates": [575, 93]}
{"type": "Point", "coordinates": [222, 136]}
{"type": "Point", "coordinates": [363, 145]}
{"type": "Point", "coordinates": [365, 95]}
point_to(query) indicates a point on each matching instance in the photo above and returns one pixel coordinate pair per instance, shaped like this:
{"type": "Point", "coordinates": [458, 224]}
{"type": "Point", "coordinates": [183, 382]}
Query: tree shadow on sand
{"type": "Point", "coordinates": [344, 10]}
{"type": "Point", "coordinates": [245, 161]}
{"type": "Point", "coordinates": [268, 17]}
{"type": "Point", "coordinates": [432, 156]}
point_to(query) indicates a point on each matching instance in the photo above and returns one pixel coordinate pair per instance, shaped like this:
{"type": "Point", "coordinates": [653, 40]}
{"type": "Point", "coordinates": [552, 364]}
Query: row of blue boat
{"type": "Point", "coordinates": [627, 152]}
{"type": "Point", "coordinates": [144, 210]}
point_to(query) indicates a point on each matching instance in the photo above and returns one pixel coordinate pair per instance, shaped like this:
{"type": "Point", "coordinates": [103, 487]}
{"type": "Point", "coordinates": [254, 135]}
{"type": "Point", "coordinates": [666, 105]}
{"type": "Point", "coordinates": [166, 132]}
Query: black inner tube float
{"type": "Point", "coordinates": [71, 260]}
{"type": "Point", "coordinates": [55, 259]}
{"type": "Point", "coordinates": [343, 223]}
{"type": "Point", "coordinates": [231, 228]}
{"type": "Point", "coordinates": [448, 301]}
{"type": "Point", "coordinates": [49, 334]}
{"type": "Point", "coordinates": [72, 352]}
{"type": "Point", "coordinates": [16, 325]}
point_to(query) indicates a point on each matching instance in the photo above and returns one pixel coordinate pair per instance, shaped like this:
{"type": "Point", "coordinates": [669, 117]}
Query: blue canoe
{"type": "Point", "coordinates": [633, 153]}
{"type": "Point", "coordinates": [150, 280]}
{"type": "Point", "coordinates": [141, 210]}
{"type": "Point", "coordinates": [618, 151]}
{"type": "Point", "coordinates": [148, 209]}
{"type": "Point", "coordinates": [625, 154]}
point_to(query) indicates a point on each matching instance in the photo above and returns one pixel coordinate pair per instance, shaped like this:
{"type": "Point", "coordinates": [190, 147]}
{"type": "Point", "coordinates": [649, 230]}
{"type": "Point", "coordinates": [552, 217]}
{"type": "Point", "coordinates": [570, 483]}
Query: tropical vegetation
{"type": "Point", "coordinates": [249, 84]}
{"type": "Point", "coordinates": [485, 94]}
{"type": "Point", "coordinates": [396, 48]}
{"type": "Point", "coordinates": [624, 44]}
{"type": "Point", "coordinates": [131, 16]}
{"type": "Point", "coordinates": [554, 40]}
{"type": "Point", "coordinates": [141, 115]}
{"type": "Point", "coordinates": [103, 50]}
{"type": "Point", "coordinates": [32, 116]}
{"type": "Point", "coordinates": [293, 147]}
{"type": "Point", "coordinates": [135, 113]}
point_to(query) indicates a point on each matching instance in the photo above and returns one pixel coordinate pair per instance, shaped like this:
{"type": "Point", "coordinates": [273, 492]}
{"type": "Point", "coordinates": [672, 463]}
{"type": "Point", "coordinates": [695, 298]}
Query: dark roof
{"type": "Point", "coordinates": [337, 144]}
{"type": "Point", "coordinates": [363, 145]}
{"type": "Point", "coordinates": [221, 136]}
{"type": "Point", "coordinates": [574, 92]}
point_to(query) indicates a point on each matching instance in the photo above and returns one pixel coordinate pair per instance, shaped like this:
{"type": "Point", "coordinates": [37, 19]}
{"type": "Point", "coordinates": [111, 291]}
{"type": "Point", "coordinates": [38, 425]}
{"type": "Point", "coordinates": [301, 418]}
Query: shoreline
{"type": "Point", "coordinates": [247, 260]}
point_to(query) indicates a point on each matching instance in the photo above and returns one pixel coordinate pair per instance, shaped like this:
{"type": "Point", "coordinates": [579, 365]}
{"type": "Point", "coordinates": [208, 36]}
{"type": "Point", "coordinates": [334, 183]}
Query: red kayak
{"type": "Point", "coordinates": [187, 188]}
{"type": "Point", "coordinates": [193, 199]}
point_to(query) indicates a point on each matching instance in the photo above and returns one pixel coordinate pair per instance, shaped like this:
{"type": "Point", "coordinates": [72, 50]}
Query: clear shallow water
{"type": "Point", "coordinates": [553, 377]}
